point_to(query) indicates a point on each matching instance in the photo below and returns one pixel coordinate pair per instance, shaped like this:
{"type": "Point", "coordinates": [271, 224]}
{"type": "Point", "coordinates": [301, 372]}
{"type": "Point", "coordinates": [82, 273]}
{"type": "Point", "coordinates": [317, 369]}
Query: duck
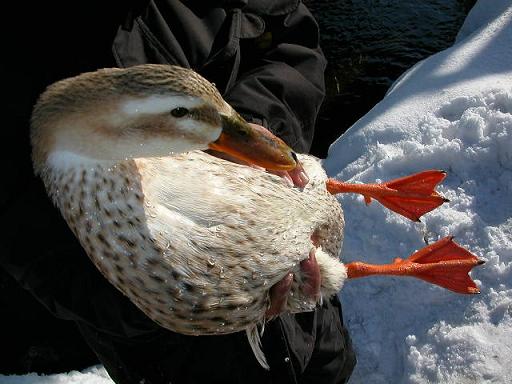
{"type": "Point", "coordinates": [195, 240]}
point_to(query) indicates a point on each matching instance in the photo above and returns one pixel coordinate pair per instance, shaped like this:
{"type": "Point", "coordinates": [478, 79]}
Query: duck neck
{"type": "Point", "coordinates": [63, 169]}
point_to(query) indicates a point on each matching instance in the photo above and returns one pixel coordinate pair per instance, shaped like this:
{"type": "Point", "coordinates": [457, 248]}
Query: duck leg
{"type": "Point", "coordinates": [444, 263]}
{"type": "Point", "coordinates": [411, 196]}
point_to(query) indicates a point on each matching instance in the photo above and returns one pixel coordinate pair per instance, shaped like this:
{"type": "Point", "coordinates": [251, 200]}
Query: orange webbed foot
{"type": "Point", "coordinates": [444, 263]}
{"type": "Point", "coordinates": [448, 265]}
{"type": "Point", "coordinates": [411, 196]}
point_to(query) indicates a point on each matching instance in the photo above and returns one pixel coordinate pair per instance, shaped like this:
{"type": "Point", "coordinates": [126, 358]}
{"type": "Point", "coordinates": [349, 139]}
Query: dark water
{"type": "Point", "coordinates": [369, 44]}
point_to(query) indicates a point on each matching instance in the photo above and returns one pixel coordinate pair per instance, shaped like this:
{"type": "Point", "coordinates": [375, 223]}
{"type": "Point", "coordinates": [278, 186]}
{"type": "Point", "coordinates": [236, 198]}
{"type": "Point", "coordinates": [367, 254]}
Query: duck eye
{"type": "Point", "coordinates": [179, 112]}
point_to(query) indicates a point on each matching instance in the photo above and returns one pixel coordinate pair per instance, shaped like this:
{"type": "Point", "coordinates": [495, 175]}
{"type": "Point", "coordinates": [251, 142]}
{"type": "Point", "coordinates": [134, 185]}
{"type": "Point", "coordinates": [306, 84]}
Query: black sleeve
{"type": "Point", "coordinates": [333, 358]}
{"type": "Point", "coordinates": [283, 88]}
{"type": "Point", "coordinates": [41, 253]}
{"type": "Point", "coordinates": [38, 249]}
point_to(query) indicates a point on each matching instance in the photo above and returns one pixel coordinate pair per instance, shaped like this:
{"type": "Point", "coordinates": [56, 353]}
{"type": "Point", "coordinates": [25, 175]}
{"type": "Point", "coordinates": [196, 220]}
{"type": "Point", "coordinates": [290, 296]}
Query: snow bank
{"type": "Point", "coordinates": [93, 375]}
{"type": "Point", "coordinates": [452, 111]}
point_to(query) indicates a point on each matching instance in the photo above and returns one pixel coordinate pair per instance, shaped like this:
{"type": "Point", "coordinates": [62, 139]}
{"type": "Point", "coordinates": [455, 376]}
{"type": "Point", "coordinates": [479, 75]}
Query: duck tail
{"type": "Point", "coordinates": [254, 337]}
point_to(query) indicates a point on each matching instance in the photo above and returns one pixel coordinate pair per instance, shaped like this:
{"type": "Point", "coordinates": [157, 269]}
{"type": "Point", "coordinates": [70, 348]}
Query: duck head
{"type": "Point", "coordinates": [147, 111]}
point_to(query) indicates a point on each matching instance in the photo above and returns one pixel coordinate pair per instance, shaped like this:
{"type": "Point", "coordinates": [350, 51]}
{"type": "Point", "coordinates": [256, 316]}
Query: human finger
{"type": "Point", "coordinates": [311, 270]}
{"type": "Point", "coordinates": [279, 296]}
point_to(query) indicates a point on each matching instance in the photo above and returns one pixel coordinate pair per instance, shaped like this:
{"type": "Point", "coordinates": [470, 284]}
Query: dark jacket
{"type": "Point", "coordinates": [264, 57]}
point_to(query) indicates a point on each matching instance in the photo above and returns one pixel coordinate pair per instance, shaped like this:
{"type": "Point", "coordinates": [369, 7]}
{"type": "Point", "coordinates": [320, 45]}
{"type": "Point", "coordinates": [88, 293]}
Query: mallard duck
{"type": "Point", "coordinates": [194, 240]}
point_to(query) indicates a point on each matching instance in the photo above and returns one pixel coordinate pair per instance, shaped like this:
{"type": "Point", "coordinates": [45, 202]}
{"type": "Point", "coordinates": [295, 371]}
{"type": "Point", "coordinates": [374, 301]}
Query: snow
{"type": "Point", "coordinates": [452, 111]}
{"type": "Point", "coordinates": [92, 375]}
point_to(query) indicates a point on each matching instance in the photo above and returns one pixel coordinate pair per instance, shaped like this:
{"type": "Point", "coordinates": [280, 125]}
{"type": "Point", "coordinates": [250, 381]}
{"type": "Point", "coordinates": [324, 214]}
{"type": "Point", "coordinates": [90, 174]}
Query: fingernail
{"type": "Point", "coordinates": [304, 178]}
{"type": "Point", "coordinates": [312, 254]}
{"type": "Point", "coordinates": [285, 285]}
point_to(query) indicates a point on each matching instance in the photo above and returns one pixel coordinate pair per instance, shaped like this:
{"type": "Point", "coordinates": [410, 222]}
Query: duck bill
{"type": "Point", "coordinates": [253, 145]}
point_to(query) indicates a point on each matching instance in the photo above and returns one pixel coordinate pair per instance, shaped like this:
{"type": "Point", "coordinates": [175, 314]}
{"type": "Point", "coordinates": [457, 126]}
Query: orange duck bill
{"type": "Point", "coordinates": [444, 263]}
{"type": "Point", "coordinates": [411, 196]}
{"type": "Point", "coordinates": [253, 145]}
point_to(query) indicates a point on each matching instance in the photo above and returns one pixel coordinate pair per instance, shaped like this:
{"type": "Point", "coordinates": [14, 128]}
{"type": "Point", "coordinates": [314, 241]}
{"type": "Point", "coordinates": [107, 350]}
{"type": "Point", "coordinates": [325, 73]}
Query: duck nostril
{"type": "Point", "coordinates": [294, 155]}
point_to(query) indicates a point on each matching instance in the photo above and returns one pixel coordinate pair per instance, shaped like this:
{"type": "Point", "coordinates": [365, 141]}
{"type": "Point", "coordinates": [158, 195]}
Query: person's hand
{"type": "Point", "coordinates": [309, 267]}
{"type": "Point", "coordinates": [280, 291]}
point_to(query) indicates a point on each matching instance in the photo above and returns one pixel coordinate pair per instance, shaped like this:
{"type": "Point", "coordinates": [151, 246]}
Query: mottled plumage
{"type": "Point", "coordinates": [196, 242]}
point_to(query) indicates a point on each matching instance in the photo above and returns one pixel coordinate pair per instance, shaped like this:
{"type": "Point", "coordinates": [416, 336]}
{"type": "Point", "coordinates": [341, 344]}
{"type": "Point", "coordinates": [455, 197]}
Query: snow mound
{"type": "Point", "coordinates": [92, 375]}
{"type": "Point", "coordinates": [452, 111]}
